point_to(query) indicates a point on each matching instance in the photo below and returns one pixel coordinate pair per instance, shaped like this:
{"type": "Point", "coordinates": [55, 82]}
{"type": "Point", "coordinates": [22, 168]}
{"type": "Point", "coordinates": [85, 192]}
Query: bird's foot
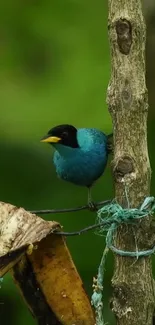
{"type": "Point", "coordinates": [92, 206]}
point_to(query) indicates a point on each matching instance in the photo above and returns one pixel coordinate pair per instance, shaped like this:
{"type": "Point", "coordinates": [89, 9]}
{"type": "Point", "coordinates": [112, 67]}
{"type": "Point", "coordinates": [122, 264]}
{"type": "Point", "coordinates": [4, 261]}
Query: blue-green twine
{"type": "Point", "coordinates": [1, 280]}
{"type": "Point", "coordinates": [96, 299]}
{"type": "Point", "coordinates": [116, 215]}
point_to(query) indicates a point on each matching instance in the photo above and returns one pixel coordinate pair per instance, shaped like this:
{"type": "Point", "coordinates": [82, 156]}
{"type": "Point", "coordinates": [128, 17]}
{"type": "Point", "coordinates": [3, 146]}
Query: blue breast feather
{"type": "Point", "coordinates": [84, 165]}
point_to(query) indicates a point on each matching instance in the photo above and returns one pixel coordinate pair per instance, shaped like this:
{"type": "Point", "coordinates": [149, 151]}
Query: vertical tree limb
{"type": "Point", "coordinates": [133, 296]}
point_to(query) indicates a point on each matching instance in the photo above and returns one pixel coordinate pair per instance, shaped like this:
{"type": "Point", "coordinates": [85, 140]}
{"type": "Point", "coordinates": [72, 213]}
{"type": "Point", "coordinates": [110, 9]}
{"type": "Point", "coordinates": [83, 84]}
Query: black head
{"type": "Point", "coordinates": [64, 134]}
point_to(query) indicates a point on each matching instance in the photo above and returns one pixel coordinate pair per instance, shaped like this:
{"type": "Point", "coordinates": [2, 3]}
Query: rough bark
{"type": "Point", "coordinates": [133, 294]}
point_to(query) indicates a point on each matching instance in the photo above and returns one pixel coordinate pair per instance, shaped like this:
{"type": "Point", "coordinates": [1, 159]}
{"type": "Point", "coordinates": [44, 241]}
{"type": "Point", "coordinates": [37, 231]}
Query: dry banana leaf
{"type": "Point", "coordinates": [42, 268]}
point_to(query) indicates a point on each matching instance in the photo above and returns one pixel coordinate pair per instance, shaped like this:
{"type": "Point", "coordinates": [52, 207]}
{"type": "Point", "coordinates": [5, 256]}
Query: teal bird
{"type": "Point", "coordinates": [80, 155]}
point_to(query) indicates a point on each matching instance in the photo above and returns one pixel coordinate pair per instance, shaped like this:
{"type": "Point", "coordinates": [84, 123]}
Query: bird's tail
{"type": "Point", "coordinates": [110, 144]}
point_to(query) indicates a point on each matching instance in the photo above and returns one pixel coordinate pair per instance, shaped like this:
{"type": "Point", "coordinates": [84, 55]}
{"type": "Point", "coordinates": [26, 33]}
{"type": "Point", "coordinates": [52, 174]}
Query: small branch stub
{"type": "Point", "coordinates": [123, 168]}
{"type": "Point", "coordinates": [124, 35]}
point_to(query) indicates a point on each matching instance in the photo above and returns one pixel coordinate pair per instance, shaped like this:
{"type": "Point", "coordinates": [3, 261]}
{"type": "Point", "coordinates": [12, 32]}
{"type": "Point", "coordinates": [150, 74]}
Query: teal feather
{"type": "Point", "coordinates": [83, 165]}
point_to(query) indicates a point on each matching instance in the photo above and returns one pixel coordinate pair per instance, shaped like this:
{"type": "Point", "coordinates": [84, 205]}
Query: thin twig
{"type": "Point", "coordinates": [84, 207]}
{"type": "Point", "coordinates": [80, 232]}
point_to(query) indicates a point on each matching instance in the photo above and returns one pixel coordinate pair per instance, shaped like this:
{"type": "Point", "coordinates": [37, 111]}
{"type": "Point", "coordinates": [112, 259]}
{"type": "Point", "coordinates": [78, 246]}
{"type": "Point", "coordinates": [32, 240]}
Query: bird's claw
{"type": "Point", "coordinates": [92, 206]}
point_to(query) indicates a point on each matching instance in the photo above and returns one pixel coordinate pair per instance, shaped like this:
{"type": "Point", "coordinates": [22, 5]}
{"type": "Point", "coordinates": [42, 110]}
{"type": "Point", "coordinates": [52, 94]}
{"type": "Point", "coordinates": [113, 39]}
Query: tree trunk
{"type": "Point", "coordinates": [133, 294]}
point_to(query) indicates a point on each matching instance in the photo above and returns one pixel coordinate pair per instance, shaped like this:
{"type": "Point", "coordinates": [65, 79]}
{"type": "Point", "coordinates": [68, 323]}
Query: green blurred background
{"type": "Point", "coordinates": [55, 68]}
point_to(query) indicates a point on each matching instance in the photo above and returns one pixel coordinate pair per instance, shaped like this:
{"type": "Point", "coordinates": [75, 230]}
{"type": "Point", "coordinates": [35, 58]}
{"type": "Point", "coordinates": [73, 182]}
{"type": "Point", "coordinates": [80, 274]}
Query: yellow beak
{"type": "Point", "coordinates": [50, 139]}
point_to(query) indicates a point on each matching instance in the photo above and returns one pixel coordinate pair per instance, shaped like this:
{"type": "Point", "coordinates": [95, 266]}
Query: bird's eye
{"type": "Point", "coordinates": [65, 134]}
